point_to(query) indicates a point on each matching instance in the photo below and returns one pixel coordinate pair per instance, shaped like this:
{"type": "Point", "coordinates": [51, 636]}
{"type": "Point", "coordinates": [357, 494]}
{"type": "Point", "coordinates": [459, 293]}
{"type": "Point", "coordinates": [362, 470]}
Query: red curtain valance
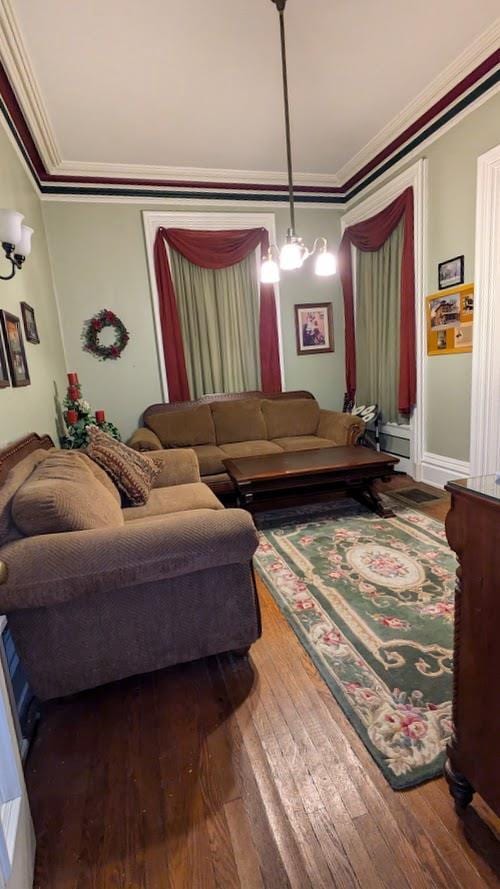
{"type": "Point", "coordinates": [212, 250]}
{"type": "Point", "coordinates": [368, 236]}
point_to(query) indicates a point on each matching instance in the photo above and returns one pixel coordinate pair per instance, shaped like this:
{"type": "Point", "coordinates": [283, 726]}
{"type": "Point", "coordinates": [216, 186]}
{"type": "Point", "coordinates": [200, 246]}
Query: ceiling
{"type": "Point", "coordinates": [196, 83]}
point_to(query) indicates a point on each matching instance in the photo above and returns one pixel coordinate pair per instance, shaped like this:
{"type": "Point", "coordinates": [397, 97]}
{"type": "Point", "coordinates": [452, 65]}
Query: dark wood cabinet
{"type": "Point", "coordinates": [473, 531]}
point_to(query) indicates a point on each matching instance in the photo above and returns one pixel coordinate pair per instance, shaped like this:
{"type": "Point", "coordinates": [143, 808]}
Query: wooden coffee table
{"type": "Point", "coordinates": [353, 469]}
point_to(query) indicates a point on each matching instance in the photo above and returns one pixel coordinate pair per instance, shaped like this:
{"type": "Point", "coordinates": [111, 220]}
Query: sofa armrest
{"type": "Point", "coordinates": [144, 440]}
{"type": "Point", "coordinates": [343, 429]}
{"type": "Point", "coordinates": [53, 568]}
{"type": "Point", "coordinates": [179, 466]}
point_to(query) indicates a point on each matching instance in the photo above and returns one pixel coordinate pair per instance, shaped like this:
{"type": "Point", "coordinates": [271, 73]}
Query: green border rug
{"type": "Point", "coordinates": [371, 600]}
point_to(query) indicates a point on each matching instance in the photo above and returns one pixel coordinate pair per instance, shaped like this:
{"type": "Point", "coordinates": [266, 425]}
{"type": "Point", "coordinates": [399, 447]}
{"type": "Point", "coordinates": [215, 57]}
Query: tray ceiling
{"type": "Point", "coordinates": [197, 83]}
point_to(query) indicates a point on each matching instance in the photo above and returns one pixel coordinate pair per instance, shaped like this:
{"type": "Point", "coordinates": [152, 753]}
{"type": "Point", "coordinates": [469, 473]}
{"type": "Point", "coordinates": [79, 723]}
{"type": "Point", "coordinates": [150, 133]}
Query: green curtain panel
{"type": "Point", "coordinates": [378, 289]}
{"type": "Point", "coordinates": [219, 317]}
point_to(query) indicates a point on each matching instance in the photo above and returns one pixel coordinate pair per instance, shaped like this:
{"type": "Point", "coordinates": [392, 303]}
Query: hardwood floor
{"type": "Point", "coordinates": [238, 773]}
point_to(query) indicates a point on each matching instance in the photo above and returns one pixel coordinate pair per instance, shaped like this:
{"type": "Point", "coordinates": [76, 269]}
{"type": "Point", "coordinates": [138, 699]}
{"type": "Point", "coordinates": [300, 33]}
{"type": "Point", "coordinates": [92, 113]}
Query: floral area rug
{"type": "Point", "coordinates": [371, 600]}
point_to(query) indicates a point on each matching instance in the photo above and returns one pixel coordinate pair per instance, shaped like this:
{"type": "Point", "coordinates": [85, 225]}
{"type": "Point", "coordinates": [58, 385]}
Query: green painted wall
{"type": "Point", "coordinates": [451, 167]}
{"type": "Point", "coordinates": [99, 259]}
{"type": "Point", "coordinates": [30, 408]}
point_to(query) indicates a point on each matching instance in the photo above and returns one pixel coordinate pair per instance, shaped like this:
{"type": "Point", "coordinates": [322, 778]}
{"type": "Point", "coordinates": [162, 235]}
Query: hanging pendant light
{"type": "Point", "coordinates": [294, 251]}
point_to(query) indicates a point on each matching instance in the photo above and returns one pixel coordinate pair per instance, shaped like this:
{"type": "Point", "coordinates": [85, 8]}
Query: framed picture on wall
{"type": "Point", "coordinates": [4, 373]}
{"type": "Point", "coordinates": [451, 272]}
{"type": "Point", "coordinates": [314, 328]}
{"type": "Point", "coordinates": [14, 345]}
{"type": "Point", "coordinates": [449, 320]}
{"type": "Point", "coordinates": [29, 321]}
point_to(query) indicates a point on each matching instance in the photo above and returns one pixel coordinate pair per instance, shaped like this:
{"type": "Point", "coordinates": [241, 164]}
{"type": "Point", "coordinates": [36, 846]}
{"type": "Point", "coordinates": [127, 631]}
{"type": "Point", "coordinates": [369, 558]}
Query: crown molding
{"type": "Point", "coordinates": [482, 47]}
{"type": "Point", "coordinates": [22, 78]}
{"type": "Point", "coordinates": [29, 123]}
{"type": "Point", "coordinates": [83, 169]}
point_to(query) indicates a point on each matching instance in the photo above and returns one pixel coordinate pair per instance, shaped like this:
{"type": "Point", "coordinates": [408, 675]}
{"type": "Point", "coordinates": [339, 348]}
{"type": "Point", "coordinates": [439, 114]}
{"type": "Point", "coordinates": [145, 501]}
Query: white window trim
{"type": "Point", "coordinates": [204, 222]}
{"type": "Point", "coordinates": [416, 176]}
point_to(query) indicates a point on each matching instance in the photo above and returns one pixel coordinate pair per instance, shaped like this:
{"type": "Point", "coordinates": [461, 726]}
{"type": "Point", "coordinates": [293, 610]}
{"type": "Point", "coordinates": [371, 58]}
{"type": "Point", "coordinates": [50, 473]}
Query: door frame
{"type": "Point", "coordinates": [485, 390]}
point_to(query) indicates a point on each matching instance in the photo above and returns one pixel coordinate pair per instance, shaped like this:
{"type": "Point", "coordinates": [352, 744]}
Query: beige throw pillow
{"type": "Point", "coordinates": [131, 472]}
{"type": "Point", "coordinates": [62, 494]}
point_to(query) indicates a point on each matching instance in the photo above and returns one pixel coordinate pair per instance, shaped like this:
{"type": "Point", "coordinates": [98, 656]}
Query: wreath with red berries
{"type": "Point", "coordinates": [93, 327]}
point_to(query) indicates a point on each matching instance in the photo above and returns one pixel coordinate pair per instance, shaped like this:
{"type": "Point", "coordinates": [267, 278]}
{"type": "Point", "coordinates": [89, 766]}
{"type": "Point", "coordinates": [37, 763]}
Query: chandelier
{"type": "Point", "coordinates": [293, 252]}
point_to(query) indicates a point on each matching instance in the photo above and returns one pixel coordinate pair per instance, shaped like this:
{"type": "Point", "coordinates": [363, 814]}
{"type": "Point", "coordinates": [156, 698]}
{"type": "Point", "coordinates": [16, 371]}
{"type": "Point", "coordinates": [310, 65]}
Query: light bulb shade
{"type": "Point", "coordinates": [23, 244]}
{"type": "Point", "coordinates": [326, 264]}
{"type": "Point", "coordinates": [10, 226]}
{"type": "Point", "coordinates": [291, 255]}
{"type": "Point", "coordinates": [269, 272]}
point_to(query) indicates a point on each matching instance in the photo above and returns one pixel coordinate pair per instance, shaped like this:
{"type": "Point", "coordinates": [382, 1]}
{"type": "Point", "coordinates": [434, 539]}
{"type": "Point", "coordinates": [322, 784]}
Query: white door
{"type": "Point", "coordinates": [485, 406]}
{"type": "Point", "coordinates": [17, 839]}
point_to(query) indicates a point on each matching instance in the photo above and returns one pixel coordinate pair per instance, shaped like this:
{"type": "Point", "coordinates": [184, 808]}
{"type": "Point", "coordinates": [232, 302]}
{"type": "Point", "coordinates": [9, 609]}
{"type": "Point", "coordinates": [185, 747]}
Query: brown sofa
{"type": "Point", "coordinates": [243, 424]}
{"type": "Point", "coordinates": [133, 589]}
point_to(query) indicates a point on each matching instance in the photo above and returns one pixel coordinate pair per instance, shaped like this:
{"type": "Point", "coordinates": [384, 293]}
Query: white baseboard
{"type": "Point", "coordinates": [437, 470]}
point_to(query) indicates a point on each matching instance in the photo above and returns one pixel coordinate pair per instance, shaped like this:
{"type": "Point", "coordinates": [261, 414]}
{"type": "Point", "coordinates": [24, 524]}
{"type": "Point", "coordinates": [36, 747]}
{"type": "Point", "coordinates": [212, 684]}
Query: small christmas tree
{"type": "Point", "coordinates": [78, 416]}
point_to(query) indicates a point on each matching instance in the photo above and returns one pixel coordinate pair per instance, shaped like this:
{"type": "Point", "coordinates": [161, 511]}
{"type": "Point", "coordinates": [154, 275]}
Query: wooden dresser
{"type": "Point", "coordinates": [473, 531]}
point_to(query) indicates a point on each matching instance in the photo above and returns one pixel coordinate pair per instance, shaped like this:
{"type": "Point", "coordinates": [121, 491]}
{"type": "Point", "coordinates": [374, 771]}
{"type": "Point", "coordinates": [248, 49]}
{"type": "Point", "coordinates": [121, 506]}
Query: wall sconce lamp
{"type": "Point", "coordinates": [15, 238]}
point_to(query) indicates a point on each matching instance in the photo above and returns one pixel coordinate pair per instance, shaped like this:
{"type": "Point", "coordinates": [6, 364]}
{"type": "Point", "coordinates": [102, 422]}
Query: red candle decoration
{"type": "Point", "coordinates": [99, 416]}
{"type": "Point", "coordinates": [71, 417]}
{"type": "Point", "coordinates": [73, 393]}
{"type": "Point", "coordinates": [73, 379]}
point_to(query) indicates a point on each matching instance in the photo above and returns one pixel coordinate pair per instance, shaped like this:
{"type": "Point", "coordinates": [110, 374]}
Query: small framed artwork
{"type": "Point", "coordinates": [449, 320]}
{"type": "Point", "coordinates": [16, 356]}
{"type": "Point", "coordinates": [4, 373]}
{"type": "Point", "coordinates": [29, 321]}
{"type": "Point", "coordinates": [451, 272]}
{"type": "Point", "coordinates": [314, 328]}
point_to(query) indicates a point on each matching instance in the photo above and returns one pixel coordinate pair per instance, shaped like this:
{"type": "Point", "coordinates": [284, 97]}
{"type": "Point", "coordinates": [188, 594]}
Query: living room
{"type": "Point", "coordinates": [315, 251]}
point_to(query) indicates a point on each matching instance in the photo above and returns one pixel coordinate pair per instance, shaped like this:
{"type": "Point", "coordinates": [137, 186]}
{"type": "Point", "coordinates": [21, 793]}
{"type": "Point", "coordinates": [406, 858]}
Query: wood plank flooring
{"type": "Point", "coordinates": [234, 773]}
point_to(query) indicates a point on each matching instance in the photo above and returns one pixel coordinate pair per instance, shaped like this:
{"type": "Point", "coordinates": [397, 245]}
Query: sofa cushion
{"type": "Point", "coordinates": [164, 501]}
{"type": "Point", "coordinates": [210, 458]}
{"type": "Point", "coordinates": [303, 443]}
{"type": "Point", "coordinates": [132, 473]}
{"type": "Point", "coordinates": [183, 428]}
{"type": "Point", "coordinates": [62, 494]}
{"type": "Point", "coordinates": [290, 416]}
{"type": "Point", "coordinates": [240, 420]}
{"type": "Point", "coordinates": [250, 448]}
{"type": "Point", "coordinates": [15, 478]}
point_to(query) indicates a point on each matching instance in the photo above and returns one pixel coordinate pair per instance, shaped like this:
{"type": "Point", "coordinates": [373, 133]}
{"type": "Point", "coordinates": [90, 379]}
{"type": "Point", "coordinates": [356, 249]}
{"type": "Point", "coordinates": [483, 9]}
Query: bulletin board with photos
{"type": "Point", "coordinates": [449, 320]}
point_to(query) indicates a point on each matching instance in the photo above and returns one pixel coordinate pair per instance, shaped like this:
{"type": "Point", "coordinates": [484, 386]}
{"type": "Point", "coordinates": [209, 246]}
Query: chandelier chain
{"type": "Point", "coordinates": [287, 118]}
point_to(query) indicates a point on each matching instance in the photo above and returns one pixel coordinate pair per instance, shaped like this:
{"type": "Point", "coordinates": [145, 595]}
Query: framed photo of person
{"type": "Point", "coordinates": [14, 346]}
{"type": "Point", "coordinates": [451, 272]}
{"type": "Point", "coordinates": [4, 373]}
{"type": "Point", "coordinates": [29, 321]}
{"type": "Point", "coordinates": [450, 315]}
{"type": "Point", "coordinates": [314, 328]}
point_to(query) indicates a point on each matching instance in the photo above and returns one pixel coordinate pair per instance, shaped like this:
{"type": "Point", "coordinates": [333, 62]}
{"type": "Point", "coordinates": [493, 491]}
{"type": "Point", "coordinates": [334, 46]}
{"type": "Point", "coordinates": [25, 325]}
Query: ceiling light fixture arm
{"type": "Point", "coordinates": [15, 260]}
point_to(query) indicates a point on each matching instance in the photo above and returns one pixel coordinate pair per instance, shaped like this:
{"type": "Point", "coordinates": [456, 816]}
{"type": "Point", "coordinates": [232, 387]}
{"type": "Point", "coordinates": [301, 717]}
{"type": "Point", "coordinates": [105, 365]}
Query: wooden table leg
{"type": "Point", "coordinates": [244, 496]}
{"type": "Point", "coordinates": [460, 788]}
{"type": "Point", "coordinates": [368, 496]}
